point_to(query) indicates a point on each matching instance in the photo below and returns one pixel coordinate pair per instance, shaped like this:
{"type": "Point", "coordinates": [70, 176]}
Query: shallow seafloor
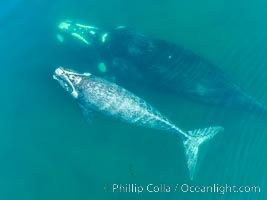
{"type": "Point", "coordinates": [47, 151]}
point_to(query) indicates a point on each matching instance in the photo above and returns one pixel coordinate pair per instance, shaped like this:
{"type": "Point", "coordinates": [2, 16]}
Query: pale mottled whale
{"type": "Point", "coordinates": [132, 57]}
{"type": "Point", "coordinates": [95, 94]}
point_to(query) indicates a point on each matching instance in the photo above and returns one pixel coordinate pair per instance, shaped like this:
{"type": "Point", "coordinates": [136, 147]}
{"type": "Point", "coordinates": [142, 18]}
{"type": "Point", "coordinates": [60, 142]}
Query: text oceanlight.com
{"type": "Point", "coordinates": [184, 188]}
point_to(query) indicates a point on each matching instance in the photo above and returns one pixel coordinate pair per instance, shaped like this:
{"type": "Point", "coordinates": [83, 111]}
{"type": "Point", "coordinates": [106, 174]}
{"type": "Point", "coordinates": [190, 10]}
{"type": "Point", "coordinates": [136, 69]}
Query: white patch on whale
{"type": "Point", "coordinates": [64, 25]}
{"type": "Point", "coordinates": [92, 32]}
{"type": "Point", "coordinates": [79, 37]}
{"type": "Point", "coordinates": [104, 37]}
{"type": "Point", "coordinates": [86, 26]}
{"type": "Point", "coordinates": [59, 71]}
{"type": "Point", "coordinates": [76, 79]}
{"type": "Point", "coordinates": [74, 94]}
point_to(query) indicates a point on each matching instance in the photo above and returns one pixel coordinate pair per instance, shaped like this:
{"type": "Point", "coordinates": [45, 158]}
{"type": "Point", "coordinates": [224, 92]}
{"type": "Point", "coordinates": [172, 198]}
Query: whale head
{"type": "Point", "coordinates": [70, 80]}
{"type": "Point", "coordinates": [81, 34]}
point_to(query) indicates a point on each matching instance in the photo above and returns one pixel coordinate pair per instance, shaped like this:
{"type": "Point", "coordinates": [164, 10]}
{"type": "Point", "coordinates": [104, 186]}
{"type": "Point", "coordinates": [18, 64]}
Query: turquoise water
{"type": "Point", "coordinates": [48, 151]}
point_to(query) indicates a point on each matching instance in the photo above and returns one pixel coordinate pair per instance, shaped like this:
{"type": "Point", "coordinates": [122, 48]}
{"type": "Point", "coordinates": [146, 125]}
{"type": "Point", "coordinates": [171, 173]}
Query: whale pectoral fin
{"type": "Point", "coordinates": [87, 113]}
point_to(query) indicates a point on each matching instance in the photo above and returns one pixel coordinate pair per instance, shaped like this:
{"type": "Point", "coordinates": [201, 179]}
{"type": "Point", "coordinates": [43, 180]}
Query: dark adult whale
{"type": "Point", "coordinates": [129, 56]}
{"type": "Point", "coordinates": [96, 94]}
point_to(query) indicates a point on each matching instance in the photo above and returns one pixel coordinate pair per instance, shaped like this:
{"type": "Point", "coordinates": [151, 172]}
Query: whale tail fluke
{"type": "Point", "coordinates": [192, 143]}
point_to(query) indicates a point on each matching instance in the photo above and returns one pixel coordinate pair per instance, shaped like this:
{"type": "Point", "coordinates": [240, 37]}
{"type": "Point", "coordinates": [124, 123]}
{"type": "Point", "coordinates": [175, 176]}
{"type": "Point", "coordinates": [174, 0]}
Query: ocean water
{"type": "Point", "coordinates": [48, 151]}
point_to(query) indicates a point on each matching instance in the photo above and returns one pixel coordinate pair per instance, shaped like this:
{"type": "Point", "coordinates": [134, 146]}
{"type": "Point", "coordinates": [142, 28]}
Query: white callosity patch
{"type": "Point", "coordinates": [79, 37]}
{"type": "Point", "coordinates": [86, 26]}
{"type": "Point", "coordinates": [92, 32]}
{"type": "Point", "coordinates": [104, 37]}
{"type": "Point", "coordinates": [74, 94]}
{"type": "Point", "coordinates": [80, 32]}
{"type": "Point", "coordinates": [75, 79]}
{"type": "Point", "coordinates": [74, 73]}
{"type": "Point", "coordinates": [64, 25]}
{"type": "Point", "coordinates": [59, 71]}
